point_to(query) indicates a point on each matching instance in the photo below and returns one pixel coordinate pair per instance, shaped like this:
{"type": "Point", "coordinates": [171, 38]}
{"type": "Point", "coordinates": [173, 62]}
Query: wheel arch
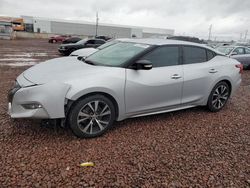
{"type": "Point", "coordinates": [214, 84]}
{"type": "Point", "coordinates": [71, 103]}
{"type": "Point", "coordinates": [228, 83]}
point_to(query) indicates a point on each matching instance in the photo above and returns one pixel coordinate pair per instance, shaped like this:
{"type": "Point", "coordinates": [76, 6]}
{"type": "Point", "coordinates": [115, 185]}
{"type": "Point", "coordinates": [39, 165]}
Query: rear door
{"type": "Point", "coordinates": [199, 72]}
{"type": "Point", "coordinates": [154, 90]}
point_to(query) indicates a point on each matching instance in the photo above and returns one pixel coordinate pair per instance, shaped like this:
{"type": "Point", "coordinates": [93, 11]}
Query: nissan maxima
{"type": "Point", "coordinates": [132, 78]}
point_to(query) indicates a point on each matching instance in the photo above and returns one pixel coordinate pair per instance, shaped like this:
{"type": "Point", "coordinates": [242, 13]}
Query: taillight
{"type": "Point", "coordinates": [240, 66]}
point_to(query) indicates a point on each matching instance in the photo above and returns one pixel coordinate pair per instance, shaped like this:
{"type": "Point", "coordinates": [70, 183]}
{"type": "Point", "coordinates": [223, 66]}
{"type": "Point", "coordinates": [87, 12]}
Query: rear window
{"type": "Point", "coordinates": [210, 55]}
{"type": "Point", "coordinates": [194, 55]}
{"type": "Point", "coordinates": [99, 42]}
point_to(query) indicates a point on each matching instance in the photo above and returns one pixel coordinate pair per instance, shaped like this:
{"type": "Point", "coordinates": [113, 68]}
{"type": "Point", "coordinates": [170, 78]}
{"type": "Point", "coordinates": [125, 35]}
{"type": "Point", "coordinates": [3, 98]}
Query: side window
{"type": "Point", "coordinates": [210, 55]}
{"type": "Point", "coordinates": [163, 56]}
{"type": "Point", "coordinates": [194, 55]}
{"type": "Point", "coordinates": [247, 50]}
{"type": "Point", "coordinates": [90, 42]}
{"type": "Point", "coordinates": [239, 51]}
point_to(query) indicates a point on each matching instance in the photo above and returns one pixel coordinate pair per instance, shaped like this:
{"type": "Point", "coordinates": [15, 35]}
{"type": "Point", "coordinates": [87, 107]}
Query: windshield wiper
{"type": "Point", "coordinates": [88, 62]}
{"type": "Point", "coordinates": [83, 59]}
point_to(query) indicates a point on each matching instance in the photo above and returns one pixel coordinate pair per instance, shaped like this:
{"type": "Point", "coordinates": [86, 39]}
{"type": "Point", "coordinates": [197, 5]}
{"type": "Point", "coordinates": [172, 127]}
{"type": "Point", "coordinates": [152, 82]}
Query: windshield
{"type": "Point", "coordinates": [81, 41]}
{"type": "Point", "coordinates": [225, 50]}
{"type": "Point", "coordinates": [107, 44]}
{"type": "Point", "coordinates": [117, 54]}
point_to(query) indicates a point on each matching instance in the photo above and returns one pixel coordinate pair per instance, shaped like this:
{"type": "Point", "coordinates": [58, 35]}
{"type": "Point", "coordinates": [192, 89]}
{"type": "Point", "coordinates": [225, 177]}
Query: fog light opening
{"type": "Point", "coordinates": [32, 106]}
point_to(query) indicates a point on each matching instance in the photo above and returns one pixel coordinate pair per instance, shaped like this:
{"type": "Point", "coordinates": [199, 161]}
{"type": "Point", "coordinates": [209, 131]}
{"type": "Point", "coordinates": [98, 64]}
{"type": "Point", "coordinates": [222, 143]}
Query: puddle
{"type": "Point", "coordinates": [17, 59]}
{"type": "Point", "coordinates": [27, 55]}
{"type": "Point", "coordinates": [19, 64]}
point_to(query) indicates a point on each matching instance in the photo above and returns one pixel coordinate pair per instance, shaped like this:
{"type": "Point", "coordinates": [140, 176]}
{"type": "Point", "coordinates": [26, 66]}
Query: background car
{"type": "Point", "coordinates": [67, 49]}
{"type": "Point", "coordinates": [58, 38]}
{"type": "Point", "coordinates": [71, 40]}
{"type": "Point", "coordinates": [106, 38]}
{"type": "Point", "coordinates": [133, 78]}
{"type": "Point", "coordinates": [188, 39]}
{"type": "Point", "coordinates": [240, 53]}
{"type": "Point", "coordinates": [85, 52]}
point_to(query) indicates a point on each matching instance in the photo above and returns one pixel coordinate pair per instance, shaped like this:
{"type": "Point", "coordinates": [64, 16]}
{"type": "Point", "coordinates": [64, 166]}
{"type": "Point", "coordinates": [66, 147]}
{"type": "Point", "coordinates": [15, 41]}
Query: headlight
{"type": "Point", "coordinates": [32, 106]}
{"type": "Point", "coordinates": [16, 85]}
{"type": "Point", "coordinates": [12, 92]}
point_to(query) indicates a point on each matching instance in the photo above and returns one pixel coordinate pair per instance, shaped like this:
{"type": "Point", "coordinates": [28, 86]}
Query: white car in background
{"type": "Point", "coordinates": [85, 52]}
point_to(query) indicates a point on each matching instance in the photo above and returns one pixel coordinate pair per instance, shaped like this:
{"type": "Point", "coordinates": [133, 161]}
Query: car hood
{"type": "Point", "coordinates": [60, 69]}
{"type": "Point", "coordinates": [84, 52]}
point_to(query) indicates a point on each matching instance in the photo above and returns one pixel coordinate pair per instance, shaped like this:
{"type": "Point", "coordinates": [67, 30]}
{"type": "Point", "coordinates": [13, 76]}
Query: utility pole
{"type": "Point", "coordinates": [240, 36]}
{"type": "Point", "coordinates": [96, 26]}
{"type": "Point", "coordinates": [245, 39]}
{"type": "Point", "coordinates": [210, 32]}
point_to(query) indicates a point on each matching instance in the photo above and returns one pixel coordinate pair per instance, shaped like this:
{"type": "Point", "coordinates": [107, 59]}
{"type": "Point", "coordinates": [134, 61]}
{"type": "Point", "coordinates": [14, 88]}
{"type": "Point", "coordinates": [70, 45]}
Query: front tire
{"type": "Point", "coordinates": [92, 116]}
{"type": "Point", "coordinates": [218, 97]}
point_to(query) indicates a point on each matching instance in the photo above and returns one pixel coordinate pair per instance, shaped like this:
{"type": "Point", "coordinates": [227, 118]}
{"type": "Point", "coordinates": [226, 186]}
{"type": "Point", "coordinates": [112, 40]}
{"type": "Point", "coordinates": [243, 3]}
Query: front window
{"type": "Point", "coordinates": [163, 56]}
{"type": "Point", "coordinates": [239, 51]}
{"type": "Point", "coordinates": [225, 50]}
{"type": "Point", "coordinates": [117, 54]}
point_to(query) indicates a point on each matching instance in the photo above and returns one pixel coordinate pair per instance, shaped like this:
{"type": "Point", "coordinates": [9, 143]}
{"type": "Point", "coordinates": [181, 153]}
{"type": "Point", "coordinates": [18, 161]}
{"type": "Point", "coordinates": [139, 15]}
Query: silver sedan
{"type": "Point", "coordinates": [240, 53]}
{"type": "Point", "coordinates": [135, 77]}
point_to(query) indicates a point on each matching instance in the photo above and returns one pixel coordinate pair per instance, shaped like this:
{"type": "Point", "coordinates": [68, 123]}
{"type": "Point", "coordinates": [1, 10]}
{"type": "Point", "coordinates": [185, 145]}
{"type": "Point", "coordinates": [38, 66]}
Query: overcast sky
{"type": "Point", "coordinates": [229, 18]}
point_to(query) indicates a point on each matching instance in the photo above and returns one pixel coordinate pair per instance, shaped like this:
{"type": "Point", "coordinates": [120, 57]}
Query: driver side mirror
{"type": "Point", "coordinates": [143, 65]}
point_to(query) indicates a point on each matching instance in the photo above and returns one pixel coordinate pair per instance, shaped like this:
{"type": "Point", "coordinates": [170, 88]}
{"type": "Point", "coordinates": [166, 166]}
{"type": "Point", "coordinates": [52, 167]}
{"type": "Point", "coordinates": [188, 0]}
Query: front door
{"type": "Point", "coordinates": [156, 89]}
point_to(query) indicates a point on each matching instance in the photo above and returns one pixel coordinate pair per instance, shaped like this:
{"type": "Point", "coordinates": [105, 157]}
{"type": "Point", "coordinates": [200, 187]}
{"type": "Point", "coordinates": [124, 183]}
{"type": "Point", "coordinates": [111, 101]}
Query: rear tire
{"type": "Point", "coordinates": [218, 97]}
{"type": "Point", "coordinates": [91, 116]}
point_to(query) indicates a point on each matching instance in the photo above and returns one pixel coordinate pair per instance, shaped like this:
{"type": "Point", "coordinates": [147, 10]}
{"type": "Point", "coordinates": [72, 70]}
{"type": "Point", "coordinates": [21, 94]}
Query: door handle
{"type": "Point", "coordinates": [213, 71]}
{"type": "Point", "coordinates": [176, 76]}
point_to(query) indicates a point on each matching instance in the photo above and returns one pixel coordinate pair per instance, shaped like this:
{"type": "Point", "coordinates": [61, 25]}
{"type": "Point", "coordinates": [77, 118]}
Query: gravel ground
{"type": "Point", "coordinates": [189, 148]}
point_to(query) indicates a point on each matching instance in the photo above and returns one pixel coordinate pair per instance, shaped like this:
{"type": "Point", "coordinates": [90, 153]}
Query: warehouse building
{"type": "Point", "coordinates": [55, 26]}
{"type": "Point", "coordinates": [5, 27]}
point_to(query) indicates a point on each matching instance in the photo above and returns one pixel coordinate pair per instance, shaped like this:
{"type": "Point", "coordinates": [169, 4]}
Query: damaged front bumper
{"type": "Point", "coordinates": [37, 101]}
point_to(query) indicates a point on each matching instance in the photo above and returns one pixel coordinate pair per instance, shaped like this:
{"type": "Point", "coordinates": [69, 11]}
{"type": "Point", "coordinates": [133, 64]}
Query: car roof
{"type": "Point", "coordinates": [96, 39]}
{"type": "Point", "coordinates": [161, 42]}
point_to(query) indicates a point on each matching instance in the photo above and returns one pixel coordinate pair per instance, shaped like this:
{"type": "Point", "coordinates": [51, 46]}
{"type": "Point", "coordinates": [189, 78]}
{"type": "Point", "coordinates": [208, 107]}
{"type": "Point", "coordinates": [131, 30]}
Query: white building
{"type": "Point", "coordinates": [56, 26]}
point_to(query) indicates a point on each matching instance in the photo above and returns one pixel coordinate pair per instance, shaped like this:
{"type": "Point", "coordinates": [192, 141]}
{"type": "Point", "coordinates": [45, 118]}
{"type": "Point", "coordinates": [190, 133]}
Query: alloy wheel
{"type": "Point", "coordinates": [220, 96]}
{"type": "Point", "coordinates": [94, 117]}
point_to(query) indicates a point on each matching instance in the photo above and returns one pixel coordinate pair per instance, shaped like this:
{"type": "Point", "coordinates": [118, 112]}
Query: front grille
{"type": "Point", "coordinates": [12, 91]}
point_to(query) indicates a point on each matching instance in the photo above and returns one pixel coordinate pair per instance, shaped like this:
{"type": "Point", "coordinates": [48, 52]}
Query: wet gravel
{"type": "Point", "coordinates": [188, 148]}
